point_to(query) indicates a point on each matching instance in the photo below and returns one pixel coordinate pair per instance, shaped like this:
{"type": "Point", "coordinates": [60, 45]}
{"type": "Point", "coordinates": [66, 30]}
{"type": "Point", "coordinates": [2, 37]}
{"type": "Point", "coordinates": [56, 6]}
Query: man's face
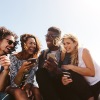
{"type": "Point", "coordinates": [50, 36]}
{"type": "Point", "coordinates": [7, 44]}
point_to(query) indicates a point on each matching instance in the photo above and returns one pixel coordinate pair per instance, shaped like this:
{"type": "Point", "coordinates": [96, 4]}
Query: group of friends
{"type": "Point", "coordinates": [64, 71]}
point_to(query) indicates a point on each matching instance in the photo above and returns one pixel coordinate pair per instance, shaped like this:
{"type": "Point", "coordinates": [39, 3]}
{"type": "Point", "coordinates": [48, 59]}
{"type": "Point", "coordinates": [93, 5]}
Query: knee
{"type": "Point", "coordinates": [36, 93]}
{"type": "Point", "coordinates": [18, 92]}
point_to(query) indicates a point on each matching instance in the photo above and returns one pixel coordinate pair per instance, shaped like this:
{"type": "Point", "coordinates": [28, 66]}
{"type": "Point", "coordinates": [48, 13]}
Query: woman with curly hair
{"type": "Point", "coordinates": [7, 46]}
{"type": "Point", "coordinates": [22, 71]}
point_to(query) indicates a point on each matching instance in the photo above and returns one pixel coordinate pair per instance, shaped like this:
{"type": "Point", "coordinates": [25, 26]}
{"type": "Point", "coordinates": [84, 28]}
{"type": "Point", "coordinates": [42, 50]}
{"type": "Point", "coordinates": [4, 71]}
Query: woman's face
{"type": "Point", "coordinates": [7, 44]}
{"type": "Point", "coordinates": [31, 45]}
{"type": "Point", "coordinates": [69, 45]}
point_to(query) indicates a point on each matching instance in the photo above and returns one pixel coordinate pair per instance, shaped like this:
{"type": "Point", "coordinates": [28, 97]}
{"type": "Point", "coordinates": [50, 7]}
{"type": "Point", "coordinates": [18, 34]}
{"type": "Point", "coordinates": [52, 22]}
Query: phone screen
{"type": "Point", "coordinates": [33, 60]}
{"type": "Point", "coordinates": [51, 55]}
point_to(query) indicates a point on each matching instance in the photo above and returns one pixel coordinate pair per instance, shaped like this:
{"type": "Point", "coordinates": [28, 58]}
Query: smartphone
{"type": "Point", "coordinates": [51, 55]}
{"type": "Point", "coordinates": [67, 74]}
{"type": "Point", "coordinates": [32, 60]}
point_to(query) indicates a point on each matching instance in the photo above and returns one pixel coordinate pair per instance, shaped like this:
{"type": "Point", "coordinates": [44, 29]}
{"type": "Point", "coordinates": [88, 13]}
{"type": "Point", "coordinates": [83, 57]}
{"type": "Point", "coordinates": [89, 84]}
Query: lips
{"type": "Point", "coordinates": [31, 49]}
{"type": "Point", "coordinates": [8, 48]}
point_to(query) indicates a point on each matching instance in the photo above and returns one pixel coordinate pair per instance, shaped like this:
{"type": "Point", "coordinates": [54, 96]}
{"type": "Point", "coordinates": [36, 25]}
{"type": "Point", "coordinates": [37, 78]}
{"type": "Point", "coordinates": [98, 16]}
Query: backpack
{"type": "Point", "coordinates": [61, 57]}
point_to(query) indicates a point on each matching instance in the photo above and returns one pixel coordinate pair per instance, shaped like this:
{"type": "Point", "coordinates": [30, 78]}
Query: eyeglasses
{"type": "Point", "coordinates": [10, 42]}
{"type": "Point", "coordinates": [51, 36]}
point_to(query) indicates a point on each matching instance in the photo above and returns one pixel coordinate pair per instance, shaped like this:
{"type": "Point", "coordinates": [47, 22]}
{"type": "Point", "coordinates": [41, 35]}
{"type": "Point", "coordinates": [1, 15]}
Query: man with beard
{"type": "Point", "coordinates": [49, 74]}
{"type": "Point", "coordinates": [7, 45]}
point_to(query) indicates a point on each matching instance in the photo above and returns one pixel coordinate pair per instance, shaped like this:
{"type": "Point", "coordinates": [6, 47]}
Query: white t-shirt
{"type": "Point", "coordinates": [91, 80]}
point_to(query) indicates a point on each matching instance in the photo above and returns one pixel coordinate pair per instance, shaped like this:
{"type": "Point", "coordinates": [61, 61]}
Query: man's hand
{"type": "Point", "coordinates": [5, 62]}
{"type": "Point", "coordinates": [51, 64]}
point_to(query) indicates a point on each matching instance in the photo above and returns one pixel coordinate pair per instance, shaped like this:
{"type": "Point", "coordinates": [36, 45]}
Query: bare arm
{"type": "Point", "coordinates": [85, 71]}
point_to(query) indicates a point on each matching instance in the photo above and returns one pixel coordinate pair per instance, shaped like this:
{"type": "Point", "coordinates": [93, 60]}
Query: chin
{"type": "Point", "coordinates": [30, 53]}
{"type": "Point", "coordinates": [68, 52]}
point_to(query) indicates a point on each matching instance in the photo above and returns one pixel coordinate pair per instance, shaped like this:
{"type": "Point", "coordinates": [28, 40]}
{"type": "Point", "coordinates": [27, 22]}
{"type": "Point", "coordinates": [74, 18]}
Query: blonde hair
{"type": "Point", "coordinates": [74, 54]}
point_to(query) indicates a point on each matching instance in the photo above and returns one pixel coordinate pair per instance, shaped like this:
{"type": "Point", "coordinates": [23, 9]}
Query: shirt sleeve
{"type": "Point", "coordinates": [13, 70]}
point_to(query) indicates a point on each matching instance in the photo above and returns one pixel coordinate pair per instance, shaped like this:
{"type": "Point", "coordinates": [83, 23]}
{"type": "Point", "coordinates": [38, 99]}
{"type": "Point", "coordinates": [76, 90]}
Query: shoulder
{"type": "Point", "coordinates": [44, 52]}
{"type": "Point", "coordinates": [13, 57]}
{"type": "Point", "coordinates": [85, 51]}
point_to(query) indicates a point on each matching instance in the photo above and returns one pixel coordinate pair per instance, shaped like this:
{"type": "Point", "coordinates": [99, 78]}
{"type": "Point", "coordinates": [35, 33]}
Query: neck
{"type": "Point", "coordinates": [2, 53]}
{"type": "Point", "coordinates": [54, 48]}
{"type": "Point", "coordinates": [24, 55]}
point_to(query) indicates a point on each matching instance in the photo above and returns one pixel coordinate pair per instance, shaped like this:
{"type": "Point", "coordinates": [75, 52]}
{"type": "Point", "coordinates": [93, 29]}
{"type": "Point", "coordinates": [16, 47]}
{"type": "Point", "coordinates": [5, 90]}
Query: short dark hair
{"type": "Point", "coordinates": [4, 32]}
{"type": "Point", "coordinates": [56, 30]}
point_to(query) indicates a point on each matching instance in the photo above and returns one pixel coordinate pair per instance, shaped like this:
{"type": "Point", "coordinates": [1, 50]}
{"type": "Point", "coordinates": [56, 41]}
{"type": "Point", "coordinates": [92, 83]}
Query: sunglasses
{"type": "Point", "coordinates": [10, 42]}
{"type": "Point", "coordinates": [50, 36]}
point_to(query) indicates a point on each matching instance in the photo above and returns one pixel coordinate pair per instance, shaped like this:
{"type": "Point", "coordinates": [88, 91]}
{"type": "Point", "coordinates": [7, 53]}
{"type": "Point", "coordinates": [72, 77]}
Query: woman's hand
{"type": "Point", "coordinates": [26, 66]}
{"type": "Point", "coordinates": [67, 67]}
{"type": "Point", "coordinates": [5, 62]}
{"type": "Point", "coordinates": [65, 80]}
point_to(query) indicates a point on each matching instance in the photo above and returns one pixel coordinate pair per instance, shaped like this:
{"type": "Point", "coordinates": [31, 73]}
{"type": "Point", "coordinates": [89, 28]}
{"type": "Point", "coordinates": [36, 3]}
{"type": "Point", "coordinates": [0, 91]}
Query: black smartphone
{"type": "Point", "coordinates": [33, 60]}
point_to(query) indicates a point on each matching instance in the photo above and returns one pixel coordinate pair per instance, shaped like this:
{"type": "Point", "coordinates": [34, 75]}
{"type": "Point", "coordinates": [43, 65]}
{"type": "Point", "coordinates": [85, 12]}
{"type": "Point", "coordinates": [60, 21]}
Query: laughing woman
{"type": "Point", "coordinates": [82, 63]}
{"type": "Point", "coordinates": [23, 83]}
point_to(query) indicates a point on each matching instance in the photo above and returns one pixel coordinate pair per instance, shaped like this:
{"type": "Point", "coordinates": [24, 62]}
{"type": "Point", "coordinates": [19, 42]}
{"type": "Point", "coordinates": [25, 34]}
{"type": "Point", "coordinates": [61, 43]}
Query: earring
{"type": "Point", "coordinates": [25, 46]}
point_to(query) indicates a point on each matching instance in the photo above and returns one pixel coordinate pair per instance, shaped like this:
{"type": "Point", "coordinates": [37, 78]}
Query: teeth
{"type": "Point", "coordinates": [31, 49]}
{"type": "Point", "coordinates": [48, 42]}
{"type": "Point", "coordinates": [9, 48]}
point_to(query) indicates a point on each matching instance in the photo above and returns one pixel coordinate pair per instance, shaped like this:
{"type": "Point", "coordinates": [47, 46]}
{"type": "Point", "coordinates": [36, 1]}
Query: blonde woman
{"type": "Point", "coordinates": [82, 63]}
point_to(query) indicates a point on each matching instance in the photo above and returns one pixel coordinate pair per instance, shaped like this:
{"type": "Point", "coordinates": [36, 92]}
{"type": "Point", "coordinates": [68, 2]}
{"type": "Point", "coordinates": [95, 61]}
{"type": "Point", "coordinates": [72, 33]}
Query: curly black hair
{"type": "Point", "coordinates": [24, 38]}
{"type": "Point", "coordinates": [4, 32]}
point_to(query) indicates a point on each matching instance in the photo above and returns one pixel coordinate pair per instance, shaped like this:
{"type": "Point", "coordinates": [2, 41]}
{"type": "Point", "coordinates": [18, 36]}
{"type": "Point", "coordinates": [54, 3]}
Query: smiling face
{"type": "Point", "coordinates": [69, 45]}
{"type": "Point", "coordinates": [49, 39]}
{"type": "Point", "coordinates": [31, 45]}
{"type": "Point", "coordinates": [7, 44]}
